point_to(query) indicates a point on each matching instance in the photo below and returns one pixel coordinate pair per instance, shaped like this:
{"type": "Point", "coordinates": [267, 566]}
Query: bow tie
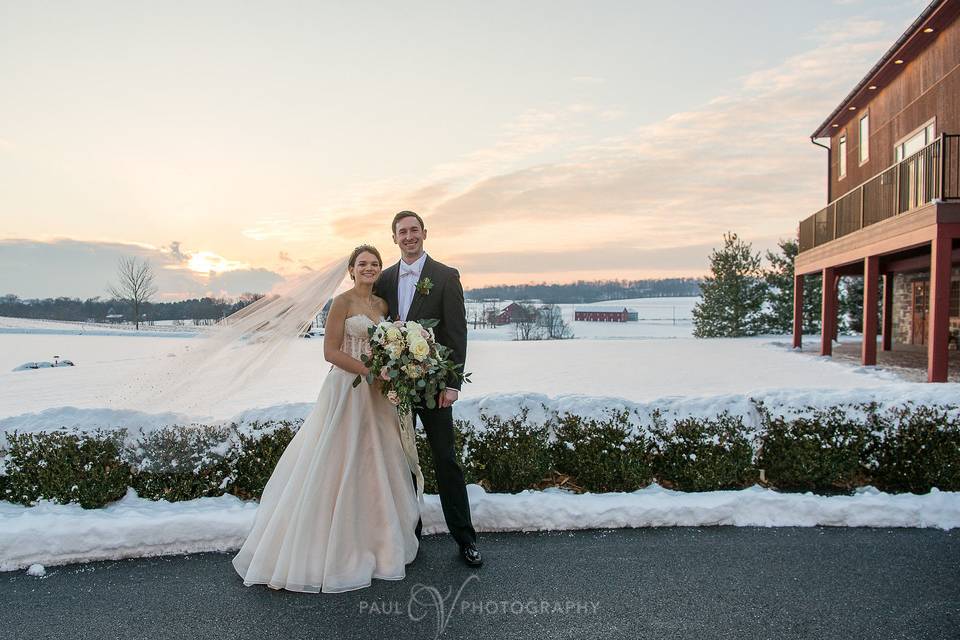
{"type": "Point", "coordinates": [408, 270]}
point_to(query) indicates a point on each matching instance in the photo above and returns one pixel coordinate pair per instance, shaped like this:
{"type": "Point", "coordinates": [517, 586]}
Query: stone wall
{"type": "Point", "coordinates": [903, 300]}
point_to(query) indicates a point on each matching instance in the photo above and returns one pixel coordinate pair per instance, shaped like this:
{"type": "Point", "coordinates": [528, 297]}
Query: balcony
{"type": "Point", "coordinates": [930, 174]}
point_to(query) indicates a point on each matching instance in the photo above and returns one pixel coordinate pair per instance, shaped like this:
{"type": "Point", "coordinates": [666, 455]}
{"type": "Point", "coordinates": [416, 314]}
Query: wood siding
{"type": "Point", "coordinates": [928, 87]}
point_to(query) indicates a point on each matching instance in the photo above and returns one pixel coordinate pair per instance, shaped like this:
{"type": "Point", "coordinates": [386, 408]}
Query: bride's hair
{"type": "Point", "coordinates": [364, 248]}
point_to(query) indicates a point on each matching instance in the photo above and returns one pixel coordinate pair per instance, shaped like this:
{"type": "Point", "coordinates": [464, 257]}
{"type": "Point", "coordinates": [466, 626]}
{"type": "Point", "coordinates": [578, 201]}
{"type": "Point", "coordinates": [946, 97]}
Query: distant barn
{"type": "Point", "coordinates": [604, 314]}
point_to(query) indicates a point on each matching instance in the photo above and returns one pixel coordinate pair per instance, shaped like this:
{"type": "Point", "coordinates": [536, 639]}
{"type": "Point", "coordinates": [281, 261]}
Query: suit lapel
{"type": "Point", "coordinates": [393, 301]}
{"type": "Point", "coordinates": [426, 272]}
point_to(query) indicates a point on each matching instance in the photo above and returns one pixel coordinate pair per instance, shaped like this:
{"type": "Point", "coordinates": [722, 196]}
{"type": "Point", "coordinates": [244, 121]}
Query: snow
{"type": "Point", "coordinates": [54, 534]}
{"type": "Point", "coordinates": [683, 372]}
{"type": "Point", "coordinates": [638, 366]}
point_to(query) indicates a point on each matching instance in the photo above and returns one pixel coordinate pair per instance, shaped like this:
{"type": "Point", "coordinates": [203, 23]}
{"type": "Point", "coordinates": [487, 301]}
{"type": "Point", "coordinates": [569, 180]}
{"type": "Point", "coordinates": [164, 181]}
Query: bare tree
{"type": "Point", "coordinates": [135, 285]}
{"type": "Point", "coordinates": [551, 319]}
{"type": "Point", "coordinates": [526, 324]}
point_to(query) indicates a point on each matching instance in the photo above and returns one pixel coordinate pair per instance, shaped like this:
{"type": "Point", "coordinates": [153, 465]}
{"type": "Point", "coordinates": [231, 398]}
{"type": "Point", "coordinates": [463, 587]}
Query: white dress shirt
{"type": "Point", "coordinates": [407, 284]}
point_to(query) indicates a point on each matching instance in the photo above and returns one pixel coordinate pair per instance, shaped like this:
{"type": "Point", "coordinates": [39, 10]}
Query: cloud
{"type": "Point", "coordinates": [176, 253]}
{"type": "Point", "coordinates": [285, 257]}
{"type": "Point", "coordinates": [741, 161]}
{"type": "Point", "coordinates": [75, 268]}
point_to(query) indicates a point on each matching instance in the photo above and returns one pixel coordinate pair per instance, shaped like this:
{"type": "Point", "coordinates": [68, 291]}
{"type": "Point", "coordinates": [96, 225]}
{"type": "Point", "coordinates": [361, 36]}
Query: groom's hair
{"type": "Point", "coordinates": [405, 214]}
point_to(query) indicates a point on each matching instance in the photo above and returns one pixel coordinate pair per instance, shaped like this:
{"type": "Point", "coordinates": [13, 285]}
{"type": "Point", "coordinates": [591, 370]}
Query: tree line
{"type": "Point", "coordinates": [583, 291]}
{"type": "Point", "coordinates": [96, 309]}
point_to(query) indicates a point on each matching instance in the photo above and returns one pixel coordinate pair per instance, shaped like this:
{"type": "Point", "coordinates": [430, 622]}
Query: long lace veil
{"type": "Point", "coordinates": [241, 350]}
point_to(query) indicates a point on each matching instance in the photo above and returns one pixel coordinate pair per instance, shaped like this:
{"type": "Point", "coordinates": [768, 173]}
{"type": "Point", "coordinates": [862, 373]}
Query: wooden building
{"type": "Point", "coordinates": [893, 196]}
{"type": "Point", "coordinates": [601, 314]}
{"type": "Point", "coordinates": [510, 313]}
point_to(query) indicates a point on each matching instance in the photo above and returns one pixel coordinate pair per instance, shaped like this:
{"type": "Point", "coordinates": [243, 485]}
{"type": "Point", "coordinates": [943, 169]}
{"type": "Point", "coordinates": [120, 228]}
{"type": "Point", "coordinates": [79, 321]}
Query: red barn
{"type": "Point", "coordinates": [601, 314]}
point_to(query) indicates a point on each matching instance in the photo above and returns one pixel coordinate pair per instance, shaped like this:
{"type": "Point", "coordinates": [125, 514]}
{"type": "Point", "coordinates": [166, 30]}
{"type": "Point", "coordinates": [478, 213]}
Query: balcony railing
{"type": "Point", "coordinates": [929, 174]}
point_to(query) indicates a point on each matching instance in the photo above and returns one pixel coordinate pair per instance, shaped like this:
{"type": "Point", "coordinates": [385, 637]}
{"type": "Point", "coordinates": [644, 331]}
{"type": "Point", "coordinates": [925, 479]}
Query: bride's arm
{"type": "Point", "coordinates": [333, 338]}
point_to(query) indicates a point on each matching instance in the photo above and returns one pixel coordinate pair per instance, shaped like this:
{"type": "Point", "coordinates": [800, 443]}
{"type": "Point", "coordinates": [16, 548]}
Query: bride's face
{"type": "Point", "coordinates": [366, 268]}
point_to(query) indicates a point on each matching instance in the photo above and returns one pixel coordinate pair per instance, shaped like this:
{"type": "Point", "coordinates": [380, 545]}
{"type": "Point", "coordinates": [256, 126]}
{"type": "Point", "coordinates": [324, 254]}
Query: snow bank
{"type": "Point", "coordinates": [52, 534]}
{"type": "Point", "coordinates": [780, 402]}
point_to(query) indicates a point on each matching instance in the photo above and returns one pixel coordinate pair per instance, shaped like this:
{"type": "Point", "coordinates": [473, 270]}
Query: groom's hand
{"type": "Point", "coordinates": [447, 398]}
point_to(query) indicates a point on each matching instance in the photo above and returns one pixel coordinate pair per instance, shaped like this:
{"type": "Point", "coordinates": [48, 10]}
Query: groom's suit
{"type": "Point", "coordinates": [444, 302]}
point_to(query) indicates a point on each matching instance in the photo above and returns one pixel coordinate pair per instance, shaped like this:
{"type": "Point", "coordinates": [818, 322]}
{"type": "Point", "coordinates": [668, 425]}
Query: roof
{"type": "Point", "coordinates": [937, 15]}
{"type": "Point", "coordinates": [600, 309]}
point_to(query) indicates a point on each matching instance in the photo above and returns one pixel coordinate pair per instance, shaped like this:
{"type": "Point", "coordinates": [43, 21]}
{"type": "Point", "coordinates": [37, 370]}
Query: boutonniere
{"type": "Point", "coordinates": [424, 285]}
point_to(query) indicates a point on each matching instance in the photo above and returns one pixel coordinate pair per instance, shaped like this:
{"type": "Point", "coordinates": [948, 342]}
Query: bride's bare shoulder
{"type": "Point", "coordinates": [340, 304]}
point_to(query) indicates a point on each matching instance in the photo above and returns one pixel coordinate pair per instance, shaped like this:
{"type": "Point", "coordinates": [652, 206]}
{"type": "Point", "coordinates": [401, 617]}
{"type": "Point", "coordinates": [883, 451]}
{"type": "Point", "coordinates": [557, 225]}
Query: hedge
{"type": "Point", "coordinates": [828, 451]}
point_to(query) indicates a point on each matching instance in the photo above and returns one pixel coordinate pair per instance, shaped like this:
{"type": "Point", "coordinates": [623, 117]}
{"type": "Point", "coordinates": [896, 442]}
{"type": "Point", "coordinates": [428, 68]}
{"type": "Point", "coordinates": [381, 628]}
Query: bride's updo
{"type": "Point", "coordinates": [364, 248]}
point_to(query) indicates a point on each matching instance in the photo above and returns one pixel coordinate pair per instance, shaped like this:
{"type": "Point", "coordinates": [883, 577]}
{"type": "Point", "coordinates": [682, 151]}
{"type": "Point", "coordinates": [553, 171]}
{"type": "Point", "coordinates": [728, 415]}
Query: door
{"type": "Point", "coordinates": [921, 302]}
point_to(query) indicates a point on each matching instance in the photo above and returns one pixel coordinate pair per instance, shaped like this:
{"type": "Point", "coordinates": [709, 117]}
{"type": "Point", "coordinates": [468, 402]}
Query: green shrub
{"type": "Point", "coordinates": [918, 448]}
{"type": "Point", "coordinates": [181, 462]}
{"type": "Point", "coordinates": [461, 429]}
{"type": "Point", "coordinates": [602, 455]}
{"type": "Point", "coordinates": [257, 454]}
{"type": "Point", "coordinates": [824, 453]}
{"type": "Point", "coordinates": [65, 467]}
{"type": "Point", "coordinates": [702, 454]}
{"type": "Point", "coordinates": [508, 454]}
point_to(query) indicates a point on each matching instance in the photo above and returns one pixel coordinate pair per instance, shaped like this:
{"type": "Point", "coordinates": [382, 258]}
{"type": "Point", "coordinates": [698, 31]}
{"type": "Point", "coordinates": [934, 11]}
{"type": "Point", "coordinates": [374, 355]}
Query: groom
{"type": "Point", "coordinates": [415, 288]}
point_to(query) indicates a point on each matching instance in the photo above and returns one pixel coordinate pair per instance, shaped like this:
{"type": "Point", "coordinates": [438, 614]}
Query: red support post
{"type": "Point", "coordinates": [828, 311]}
{"type": "Point", "coordinates": [939, 330]}
{"type": "Point", "coordinates": [887, 319]}
{"type": "Point", "coordinates": [797, 312]}
{"type": "Point", "coordinates": [871, 272]}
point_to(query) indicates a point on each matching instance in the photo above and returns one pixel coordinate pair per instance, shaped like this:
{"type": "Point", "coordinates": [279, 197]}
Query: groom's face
{"type": "Point", "coordinates": [409, 236]}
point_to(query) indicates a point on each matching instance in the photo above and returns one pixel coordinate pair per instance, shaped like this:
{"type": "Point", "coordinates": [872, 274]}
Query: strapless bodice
{"type": "Point", "coordinates": [355, 336]}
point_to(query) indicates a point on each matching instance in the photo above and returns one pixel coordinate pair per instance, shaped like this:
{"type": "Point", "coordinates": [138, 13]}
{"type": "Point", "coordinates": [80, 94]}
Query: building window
{"type": "Point", "coordinates": [864, 138]}
{"type": "Point", "coordinates": [915, 141]}
{"type": "Point", "coordinates": [842, 151]}
{"type": "Point", "coordinates": [955, 299]}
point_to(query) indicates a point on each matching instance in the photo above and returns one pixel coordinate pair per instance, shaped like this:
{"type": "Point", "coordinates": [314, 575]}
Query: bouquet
{"type": "Point", "coordinates": [411, 366]}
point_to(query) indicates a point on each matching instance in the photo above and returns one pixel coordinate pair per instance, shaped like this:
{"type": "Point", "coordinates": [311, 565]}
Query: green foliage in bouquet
{"type": "Point", "coordinates": [257, 455]}
{"type": "Point", "coordinates": [824, 452]}
{"type": "Point", "coordinates": [508, 454]}
{"type": "Point", "coordinates": [602, 455]}
{"type": "Point", "coordinates": [64, 467]}
{"type": "Point", "coordinates": [918, 448]}
{"type": "Point", "coordinates": [410, 366]}
{"type": "Point", "coordinates": [181, 462]}
{"type": "Point", "coordinates": [702, 454]}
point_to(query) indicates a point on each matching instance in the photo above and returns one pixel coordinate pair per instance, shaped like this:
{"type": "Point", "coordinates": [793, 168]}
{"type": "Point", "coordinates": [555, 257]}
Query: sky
{"type": "Point", "coordinates": [235, 144]}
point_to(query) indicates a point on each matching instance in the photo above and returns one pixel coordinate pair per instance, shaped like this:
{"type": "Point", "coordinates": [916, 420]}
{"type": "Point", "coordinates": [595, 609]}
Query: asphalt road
{"type": "Point", "coordinates": [706, 582]}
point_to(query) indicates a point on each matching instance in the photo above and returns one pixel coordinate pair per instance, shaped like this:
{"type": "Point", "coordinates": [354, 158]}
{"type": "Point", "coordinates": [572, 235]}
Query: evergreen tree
{"type": "Point", "coordinates": [812, 294]}
{"type": "Point", "coordinates": [733, 294]}
{"type": "Point", "coordinates": [778, 313]}
{"type": "Point", "coordinates": [850, 304]}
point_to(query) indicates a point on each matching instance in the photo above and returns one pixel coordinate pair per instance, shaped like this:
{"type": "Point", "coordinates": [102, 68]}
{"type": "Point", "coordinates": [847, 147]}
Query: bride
{"type": "Point", "coordinates": [341, 507]}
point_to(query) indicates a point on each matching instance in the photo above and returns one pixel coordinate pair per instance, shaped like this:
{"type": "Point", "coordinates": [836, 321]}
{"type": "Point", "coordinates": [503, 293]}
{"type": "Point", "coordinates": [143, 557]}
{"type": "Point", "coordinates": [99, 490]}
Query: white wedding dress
{"type": "Point", "coordinates": [340, 508]}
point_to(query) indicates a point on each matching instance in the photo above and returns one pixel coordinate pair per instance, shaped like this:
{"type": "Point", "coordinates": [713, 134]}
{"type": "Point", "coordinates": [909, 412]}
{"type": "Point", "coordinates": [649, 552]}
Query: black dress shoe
{"type": "Point", "coordinates": [471, 555]}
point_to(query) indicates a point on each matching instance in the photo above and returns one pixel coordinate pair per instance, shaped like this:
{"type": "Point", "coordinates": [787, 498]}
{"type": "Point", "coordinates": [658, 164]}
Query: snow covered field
{"type": "Point", "coordinates": [653, 363]}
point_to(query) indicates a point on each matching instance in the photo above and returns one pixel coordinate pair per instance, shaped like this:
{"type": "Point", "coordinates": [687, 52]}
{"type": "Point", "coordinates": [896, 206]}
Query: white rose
{"type": "Point", "coordinates": [419, 349]}
{"type": "Point", "coordinates": [394, 335]}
